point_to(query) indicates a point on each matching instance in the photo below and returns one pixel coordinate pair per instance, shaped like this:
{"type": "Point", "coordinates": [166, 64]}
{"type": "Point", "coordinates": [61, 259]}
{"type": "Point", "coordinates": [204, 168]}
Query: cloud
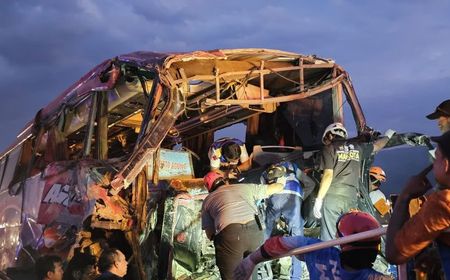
{"type": "Point", "coordinates": [391, 54]}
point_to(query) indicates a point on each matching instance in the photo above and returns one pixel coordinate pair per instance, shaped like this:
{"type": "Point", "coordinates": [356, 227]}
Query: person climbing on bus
{"type": "Point", "coordinates": [287, 204]}
{"type": "Point", "coordinates": [377, 176]}
{"type": "Point", "coordinates": [353, 261]}
{"type": "Point", "coordinates": [229, 156]}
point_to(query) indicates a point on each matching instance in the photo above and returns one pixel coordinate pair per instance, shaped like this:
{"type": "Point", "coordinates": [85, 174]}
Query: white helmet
{"type": "Point", "coordinates": [337, 129]}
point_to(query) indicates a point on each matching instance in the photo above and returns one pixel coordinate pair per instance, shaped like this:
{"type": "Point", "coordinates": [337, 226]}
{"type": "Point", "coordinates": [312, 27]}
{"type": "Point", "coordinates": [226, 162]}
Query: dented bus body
{"type": "Point", "coordinates": [98, 164]}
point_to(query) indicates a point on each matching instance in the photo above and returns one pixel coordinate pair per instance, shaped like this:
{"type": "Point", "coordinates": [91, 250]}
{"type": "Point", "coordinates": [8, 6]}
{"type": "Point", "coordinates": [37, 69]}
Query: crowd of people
{"type": "Point", "coordinates": [111, 265]}
{"type": "Point", "coordinates": [337, 199]}
{"type": "Point", "coordinates": [244, 234]}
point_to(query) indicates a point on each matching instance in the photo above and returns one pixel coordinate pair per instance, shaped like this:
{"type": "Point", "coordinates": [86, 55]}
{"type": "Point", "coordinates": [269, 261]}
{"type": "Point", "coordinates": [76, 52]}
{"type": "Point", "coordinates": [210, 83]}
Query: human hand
{"type": "Point", "coordinates": [244, 270]}
{"type": "Point", "coordinates": [389, 133]}
{"type": "Point", "coordinates": [317, 207]}
{"type": "Point", "coordinates": [418, 185]}
{"type": "Point", "coordinates": [231, 174]}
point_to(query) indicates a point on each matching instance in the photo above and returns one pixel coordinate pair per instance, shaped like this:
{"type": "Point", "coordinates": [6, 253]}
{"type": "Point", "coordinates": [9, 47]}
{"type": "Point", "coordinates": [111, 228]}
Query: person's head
{"type": "Point", "coordinates": [114, 261]}
{"type": "Point", "coordinates": [334, 131]}
{"type": "Point", "coordinates": [49, 267]}
{"type": "Point", "coordinates": [231, 152]}
{"type": "Point", "coordinates": [81, 266]}
{"type": "Point", "coordinates": [274, 172]}
{"type": "Point", "coordinates": [213, 180]}
{"type": "Point", "coordinates": [359, 254]}
{"type": "Point", "coordinates": [376, 177]}
{"type": "Point", "coordinates": [441, 165]}
{"type": "Point", "coordinates": [442, 114]}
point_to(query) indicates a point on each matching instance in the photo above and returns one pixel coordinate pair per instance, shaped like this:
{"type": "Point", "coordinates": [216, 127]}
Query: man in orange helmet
{"type": "Point", "coordinates": [353, 260]}
{"type": "Point", "coordinates": [377, 176]}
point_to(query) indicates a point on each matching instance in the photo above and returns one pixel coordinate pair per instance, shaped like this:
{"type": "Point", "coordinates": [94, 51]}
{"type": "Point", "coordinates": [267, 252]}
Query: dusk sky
{"type": "Point", "coordinates": [397, 52]}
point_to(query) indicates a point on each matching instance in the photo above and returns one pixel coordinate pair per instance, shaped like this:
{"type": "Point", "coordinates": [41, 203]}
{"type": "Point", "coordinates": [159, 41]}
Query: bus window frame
{"type": "Point", "coordinates": [9, 163]}
{"type": "Point", "coordinates": [71, 114]}
{"type": "Point", "coordinates": [148, 110]}
{"type": "Point", "coordinates": [3, 162]}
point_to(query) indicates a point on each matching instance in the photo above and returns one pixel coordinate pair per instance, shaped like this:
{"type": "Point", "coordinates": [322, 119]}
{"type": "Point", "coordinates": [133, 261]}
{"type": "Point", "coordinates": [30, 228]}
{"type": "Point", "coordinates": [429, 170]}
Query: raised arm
{"type": "Point", "coordinates": [380, 143]}
{"type": "Point", "coordinates": [416, 186]}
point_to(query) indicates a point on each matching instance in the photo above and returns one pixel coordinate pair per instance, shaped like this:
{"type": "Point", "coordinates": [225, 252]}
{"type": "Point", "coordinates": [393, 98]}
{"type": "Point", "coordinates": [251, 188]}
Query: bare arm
{"type": "Point", "coordinates": [245, 165]}
{"type": "Point", "coordinates": [325, 183]}
{"type": "Point", "coordinates": [380, 143]}
{"type": "Point", "coordinates": [398, 218]}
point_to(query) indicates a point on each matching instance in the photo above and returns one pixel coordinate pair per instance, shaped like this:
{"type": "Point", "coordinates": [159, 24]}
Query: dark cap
{"type": "Point", "coordinates": [444, 143]}
{"type": "Point", "coordinates": [442, 109]}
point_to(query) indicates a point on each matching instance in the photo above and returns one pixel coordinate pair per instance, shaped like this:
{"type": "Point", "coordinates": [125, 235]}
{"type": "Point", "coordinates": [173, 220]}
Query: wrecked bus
{"type": "Point", "coordinates": [118, 157]}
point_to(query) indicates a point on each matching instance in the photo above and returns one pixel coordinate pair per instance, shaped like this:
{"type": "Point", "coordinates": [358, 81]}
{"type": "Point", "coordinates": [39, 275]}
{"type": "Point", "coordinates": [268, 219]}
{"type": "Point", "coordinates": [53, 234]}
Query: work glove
{"type": "Point", "coordinates": [389, 133]}
{"type": "Point", "coordinates": [317, 208]}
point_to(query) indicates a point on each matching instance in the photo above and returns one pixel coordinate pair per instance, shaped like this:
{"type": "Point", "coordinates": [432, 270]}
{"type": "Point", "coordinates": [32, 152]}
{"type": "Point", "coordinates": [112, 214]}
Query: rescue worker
{"type": "Point", "coordinates": [353, 260]}
{"type": "Point", "coordinates": [287, 203]}
{"type": "Point", "coordinates": [228, 156]}
{"type": "Point", "coordinates": [407, 236]}
{"type": "Point", "coordinates": [230, 218]}
{"type": "Point", "coordinates": [341, 161]}
{"type": "Point", "coordinates": [377, 176]}
{"type": "Point", "coordinates": [442, 114]}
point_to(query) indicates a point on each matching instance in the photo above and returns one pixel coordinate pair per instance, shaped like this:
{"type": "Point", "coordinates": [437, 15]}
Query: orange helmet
{"type": "Point", "coordinates": [212, 179]}
{"type": "Point", "coordinates": [356, 221]}
{"type": "Point", "coordinates": [377, 173]}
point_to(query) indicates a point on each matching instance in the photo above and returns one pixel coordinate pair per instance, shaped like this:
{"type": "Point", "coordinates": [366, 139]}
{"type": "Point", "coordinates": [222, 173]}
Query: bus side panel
{"type": "Point", "coordinates": [10, 208]}
{"type": "Point", "coordinates": [31, 231]}
{"type": "Point", "coordinates": [62, 206]}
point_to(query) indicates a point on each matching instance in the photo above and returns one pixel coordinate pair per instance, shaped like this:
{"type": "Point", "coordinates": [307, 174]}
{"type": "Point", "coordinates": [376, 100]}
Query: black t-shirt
{"type": "Point", "coordinates": [345, 158]}
{"type": "Point", "coordinates": [108, 276]}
